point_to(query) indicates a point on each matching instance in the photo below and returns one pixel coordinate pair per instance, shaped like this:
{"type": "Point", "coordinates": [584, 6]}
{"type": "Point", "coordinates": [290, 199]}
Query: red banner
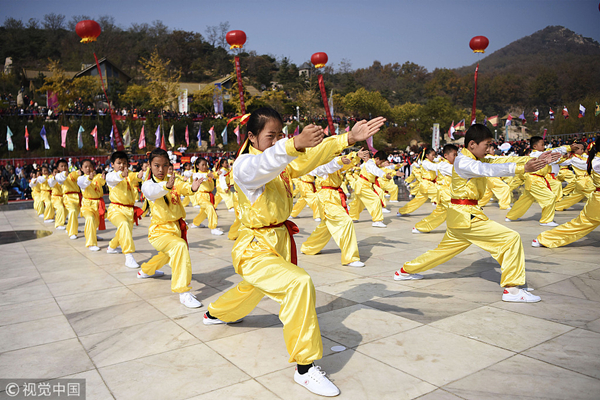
{"type": "Point", "coordinates": [326, 104]}
{"type": "Point", "coordinates": [117, 136]}
{"type": "Point", "coordinates": [238, 72]}
{"type": "Point", "coordinates": [475, 94]}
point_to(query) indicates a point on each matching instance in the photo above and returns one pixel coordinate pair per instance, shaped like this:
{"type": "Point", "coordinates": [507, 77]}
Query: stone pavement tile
{"type": "Point", "coordinates": [24, 295]}
{"type": "Point", "coordinates": [177, 374]}
{"type": "Point", "coordinates": [576, 252]}
{"type": "Point", "coordinates": [565, 266]}
{"type": "Point", "coordinates": [582, 288]}
{"type": "Point", "coordinates": [439, 395]}
{"type": "Point", "coordinates": [473, 289]}
{"type": "Point", "coordinates": [325, 302]}
{"type": "Point", "coordinates": [172, 307]}
{"type": "Point", "coordinates": [28, 311]}
{"type": "Point", "coordinates": [150, 288]}
{"type": "Point", "coordinates": [86, 271]}
{"type": "Point", "coordinates": [99, 299]}
{"type": "Point", "coordinates": [509, 330]}
{"type": "Point", "coordinates": [45, 361]}
{"type": "Point", "coordinates": [595, 274]}
{"type": "Point", "coordinates": [95, 388]}
{"type": "Point", "coordinates": [356, 375]}
{"type": "Point", "coordinates": [359, 324]}
{"type": "Point", "coordinates": [33, 333]}
{"type": "Point", "coordinates": [364, 289]}
{"type": "Point", "coordinates": [249, 389]}
{"type": "Point", "coordinates": [322, 275]}
{"type": "Point", "coordinates": [557, 308]}
{"type": "Point", "coordinates": [593, 325]}
{"type": "Point", "coordinates": [21, 282]}
{"type": "Point", "coordinates": [59, 263]}
{"type": "Point", "coordinates": [433, 355]}
{"type": "Point", "coordinates": [113, 317]}
{"type": "Point", "coordinates": [125, 344]}
{"type": "Point", "coordinates": [422, 306]}
{"type": "Point", "coordinates": [83, 285]}
{"type": "Point", "coordinates": [578, 350]}
{"type": "Point", "coordinates": [521, 377]}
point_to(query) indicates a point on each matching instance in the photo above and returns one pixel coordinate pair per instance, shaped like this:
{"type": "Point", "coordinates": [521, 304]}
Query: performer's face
{"type": "Point", "coordinates": [62, 167]}
{"type": "Point", "coordinates": [271, 133]}
{"type": "Point", "coordinates": [451, 156]}
{"type": "Point", "coordinates": [479, 149]}
{"type": "Point", "coordinates": [120, 165]}
{"type": "Point", "coordinates": [159, 167]}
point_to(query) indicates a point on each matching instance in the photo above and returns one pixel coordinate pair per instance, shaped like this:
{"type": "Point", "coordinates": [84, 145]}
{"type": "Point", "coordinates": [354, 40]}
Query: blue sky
{"type": "Point", "coordinates": [431, 33]}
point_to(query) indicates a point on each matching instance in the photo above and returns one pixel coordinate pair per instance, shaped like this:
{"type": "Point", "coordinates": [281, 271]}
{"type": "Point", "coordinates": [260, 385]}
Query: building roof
{"type": "Point", "coordinates": [305, 65]}
{"type": "Point", "coordinates": [100, 62]}
{"type": "Point", "coordinates": [31, 74]}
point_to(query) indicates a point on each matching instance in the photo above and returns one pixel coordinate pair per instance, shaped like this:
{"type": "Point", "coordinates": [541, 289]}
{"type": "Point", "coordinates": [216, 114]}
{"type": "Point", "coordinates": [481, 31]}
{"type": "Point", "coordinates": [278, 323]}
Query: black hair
{"type": "Point", "coordinates": [258, 119]}
{"type": "Point", "coordinates": [62, 160]}
{"type": "Point", "coordinates": [428, 151]}
{"type": "Point", "coordinates": [592, 153]}
{"type": "Point", "coordinates": [156, 153]}
{"type": "Point", "coordinates": [448, 148]}
{"type": "Point", "coordinates": [198, 160]}
{"type": "Point", "coordinates": [88, 160]}
{"type": "Point", "coordinates": [534, 140]}
{"type": "Point", "coordinates": [477, 133]}
{"type": "Point", "coordinates": [119, 155]}
{"type": "Point", "coordinates": [382, 155]}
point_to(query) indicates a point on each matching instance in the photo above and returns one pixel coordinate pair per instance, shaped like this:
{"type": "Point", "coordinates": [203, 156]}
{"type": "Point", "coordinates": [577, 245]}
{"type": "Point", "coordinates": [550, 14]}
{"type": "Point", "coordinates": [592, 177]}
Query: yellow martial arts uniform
{"type": "Point", "coordinates": [38, 204]}
{"type": "Point", "coordinates": [91, 205]}
{"type": "Point", "coordinates": [467, 223]}
{"type": "Point", "coordinates": [584, 186]}
{"type": "Point", "coordinates": [439, 214]}
{"type": "Point", "coordinates": [121, 209]}
{"type": "Point", "coordinates": [415, 178]}
{"type": "Point", "coordinates": [262, 253]}
{"type": "Point", "coordinates": [336, 222]}
{"type": "Point", "coordinates": [566, 175]}
{"type": "Point", "coordinates": [308, 196]}
{"type": "Point", "coordinates": [587, 220]}
{"type": "Point", "coordinates": [388, 185]}
{"type": "Point", "coordinates": [57, 202]}
{"type": "Point", "coordinates": [71, 199]}
{"type": "Point", "coordinates": [206, 200]}
{"type": "Point", "coordinates": [497, 187]}
{"type": "Point", "coordinates": [427, 188]}
{"type": "Point", "coordinates": [224, 186]}
{"type": "Point", "coordinates": [164, 233]}
{"type": "Point", "coordinates": [366, 194]}
{"type": "Point", "coordinates": [234, 228]}
{"type": "Point", "coordinates": [46, 197]}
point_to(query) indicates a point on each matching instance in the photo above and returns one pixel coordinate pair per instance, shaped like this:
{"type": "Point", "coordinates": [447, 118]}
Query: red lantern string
{"type": "Point", "coordinates": [116, 133]}
{"type": "Point", "coordinates": [238, 72]}
{"type": "Point", "coordinates": [326, 104]}
{"type": "Point", "coordinates": [236, 40]}
{"type": "Point", "coordinates": [475, 95]}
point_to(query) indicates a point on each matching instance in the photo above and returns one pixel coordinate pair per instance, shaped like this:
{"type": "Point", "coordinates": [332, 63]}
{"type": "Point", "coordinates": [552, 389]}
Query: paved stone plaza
{"type": "Point", "coordinates": [69, 312]}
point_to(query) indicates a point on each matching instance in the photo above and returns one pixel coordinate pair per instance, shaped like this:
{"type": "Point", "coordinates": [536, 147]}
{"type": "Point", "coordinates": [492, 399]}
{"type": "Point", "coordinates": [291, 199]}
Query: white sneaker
{"type": "Point", "coordinates": [551, 223]}
{"type": "Point", "coordinates": [290, 218]}
{"type": "Point", "coordinates": [61, 228]}
{"type": "Point", "coordinates": [48, 221]}
{"type": "Point", "coordinates": [73, 237]}
{"type": "Point", "coordinates": [192, 226]}
{"type": "Point", "coordinates": [399, 215]}
{"type": "Point", "coordinates": [387, 195]}
{"type": "Point", "coordinates": [231, 209]}
{"type": "Point", "coordinates": [393, 201]}
{"type": "Point", "coordinates": [41, 215]}
{"type": "Point", "coordinates": [317, 219]}
{"type": "Point", "coordinates": [316, 381]}
{"type": "Point", "coordinates": [434, 205]}
{"type": "Point", "coordinates": [522, 296]}
{"type": "Point", "coordinates": [511, 220]}
{"type": "Point", "coordinates": [110, 250]}
{"type": "Point", "coordinates": [197, 206]}
{"type": "Point", "coordinates": [399, 276]}
{"type": "Point", "coordinates": [94, 248]}
{"type": "Point", "coordinates": [142, 275]}
{"type": "Point", "coordinates": [202, 226]}
{"type": "Point", "coordinates": [189, 300]}
{"type": "Point", "coordinates": [356, 264]}
{"type": "Point", "coordinates": [415, 230]}
{"type": "Point", "coordinates": [535, 243]}
{"type": "Point", "coordinates": [130, 262]}
{"type": "Point", "coordinates": [378, 224]}
{"type": "Point", "coordinates": [216, 232]}
{"type": "Point", "coordinates": [385, 211]}
{"type": "Point", "coordinates": [98, 238]}
{"type": "Point", "coordinates": [216, 321]}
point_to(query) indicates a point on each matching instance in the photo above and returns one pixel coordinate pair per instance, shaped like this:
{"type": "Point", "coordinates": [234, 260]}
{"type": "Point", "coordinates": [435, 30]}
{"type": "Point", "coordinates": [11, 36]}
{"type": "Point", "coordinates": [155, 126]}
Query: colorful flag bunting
{"type": "Point", "coordinates": [581, 111]}
{"type": "Point", "coordinates": [199, 135]}
{"type": "Point", "coordinates": [224, 135]}
{"type": "Point", "coordinates": [157, 136]}
{"type": "Point", "coordinates": [237, 134]}
{"type": "Point", "coordinates": [63, 136]}
{"type": "Point", "coordinates": [112, 138]}
{"type": "Point", "coordinates": [565, 112]}
{"type": "Point", "coordinates": [370, 145]}
{"type": "Point", "coordinates": [460, 126]}
{"type": "Point", "coordinates": [187, 136]}
{"type": "Point", "coordinates": [94, 134]}
{"type": "Point", "coordinates": [297, 130]}
{"type": "Point", "coordinates": [212, 135]}
{"type": "Point", "coordinates": [142, 141]}
{"type": "Point", "coordinates": [451, 131]}
{"type": "Point", "coordinates": [493, 120]}
{"type": "Point", "coordinates": [9, 141]}
{"type": "Point", "coordinates": [536, 116]}
{"type": "Point", "coordinates": [172, 136]}
{"type": "Point", "coordinates": [43, 135]}
{"type": "Point", "coordinates": [127, 138]}
{"type": "Point", "coordinates": [597, 109]}
{"type": "Point", "coordinates": [80, 137]}
{"type": "Point", "coordinates": [26, 138]}
{"type": "Point", "coordinates": [509, 120]}
{"type": "Point", "coordinates": [551, 113]}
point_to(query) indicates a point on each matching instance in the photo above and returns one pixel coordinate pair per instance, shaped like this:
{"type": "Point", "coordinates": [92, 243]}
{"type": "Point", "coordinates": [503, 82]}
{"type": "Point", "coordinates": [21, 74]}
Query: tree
{"type": "Point", "coordinates": [362, 103]}
{"type": "Point", "coordinates": [60, 85]}
{"type": "Point", "coordinates": [136, 96]}
{"type": "Point", "coordinates": [163, 85]}
{"type": "Point", "coordinates": [54, 22]}
{"type": "Point", "coordinates": [86, 88]}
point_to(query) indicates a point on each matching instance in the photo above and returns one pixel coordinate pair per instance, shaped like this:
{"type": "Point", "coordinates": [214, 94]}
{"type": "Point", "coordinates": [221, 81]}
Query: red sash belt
{"type": "Point", "coordinates": [101, 212]}
{"type": "Point", "coordinates": [292, 229]}
{"type": "Point", "coordinates": [212, 196]}
{"type": "Point", "coordinates": [376, 183]}
{"type": "Point", "coordinates": [137, 212]}
{"type": "Point", "coordinates": [433, 181]}
{"type": "Point", "coordinates": [183, 227]}
{"type": "Point", "coordinates": [598, 189]}
{"type": "Point", "coordinates": [342, 195]}
{"type": "Point", "coordinates": [547, 183]}
{"type": "Point", "coordinates": [311, 184]}
{"type": "Point", "coordinates": [78, 194]}
{"type": "Point", "coordinates": [467, 202]}
{"type": "Point", "coordinates": [57, 195]}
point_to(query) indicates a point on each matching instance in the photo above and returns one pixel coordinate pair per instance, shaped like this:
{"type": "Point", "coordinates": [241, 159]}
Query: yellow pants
{"type": "Point", "coordinates": [565, 175]}
{"type": "Point", "coordinates": [502, 243]}
{"type": "Point", "coordinates": [89, 211]}
{"type": "Point", "coordinates": [234, 229]}
{"type": "Point", "coordinates": [224, 195]}
{"type": "Point", "coordinates": [122, 218]}
{"type": "Point", "coordinates": [584, 187]}
{"type": "Point", "coordinates": [206, 210]}
{"type": "Point", "coordinates": [266, 272]}
{"type": "Point", "coordinates": [427, 189]}
{"type": "Point", "coordinates": [537, 192]}
{"type": "Point", "coordinates": [515, 182]}
{"type": "Point", "coordinates": [59, 208]}
{"type": "Point", "coordinates": [71, 202]}
{"type": "Point", "coordinates": [336, 223]}
{"type": "Point", "coordinates": [48, 209]}
{"type": "Point", "coordinates": [38, 204]}
{"type": "Point", "coordinates": [307, 196]}
{"type": "Point", "coordinates": [391, 188]}
{"type": "Point", "coordinates": [557, 188]}
{"type": "Point", "coordinates": [438, 216]}
{"type": "Point", "coordinates": [172, 250]}
{"type": "Point", "coordinates": [366, 196]}
{"type": "Point", "coordinates": [497, 187]}
{"type": "Point", "coordinates": [185, 201]}
{"type": "Point", "coordinates": [569, 232]}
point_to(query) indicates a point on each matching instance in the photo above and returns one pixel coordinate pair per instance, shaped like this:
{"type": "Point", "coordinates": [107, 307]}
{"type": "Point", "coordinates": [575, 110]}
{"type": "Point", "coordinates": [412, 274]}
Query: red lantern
{"type": "Point", "coordinates": [88, 30]}
{"type": "Point", "coordinates": [319, 59]}
{"type": "Point", "coordinates": [478, 44]}
{"type": "Point", "coordinates": [236, 39]}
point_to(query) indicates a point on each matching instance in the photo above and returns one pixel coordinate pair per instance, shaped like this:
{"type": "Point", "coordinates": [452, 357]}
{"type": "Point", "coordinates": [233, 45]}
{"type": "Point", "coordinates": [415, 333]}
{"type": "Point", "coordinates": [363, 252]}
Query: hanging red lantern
{"type": "Point", "coordinates": [478, 44]}
{"type": "Point", "coordinates": [319, 59]}
{"type": "Point", "coordinates": [236, 39]}
{"type": "Point", "coordinates": [88, 30]}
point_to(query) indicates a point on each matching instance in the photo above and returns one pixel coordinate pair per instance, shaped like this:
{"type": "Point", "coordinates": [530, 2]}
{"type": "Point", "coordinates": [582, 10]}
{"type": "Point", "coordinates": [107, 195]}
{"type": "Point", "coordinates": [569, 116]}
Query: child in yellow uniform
{"type": "Point", "coordinates": [122, 211]}
{"type": "Point", "coordinates": [467, 224]}
{"type": "Point", "coordinates": [497, 187]}
{"type": "Point", "coordinates": [93, 207]}
{"type": "Point", "coordinates": [38, 204]}
{"type": "Point", "coordinates": [388, 185]}
{"type": "Point", "coordinates": [57, 199]}
{"type": "Point", "coordinates": [46, 195]}
{"type": "Point", "coordinates": [167, 232]}
{"type": "Point", "coordinates": [427, 187]}
{"type": "Point", "coordinates": [308, 196]}
{"type": "Point", "coordinates": [224, 185]}
{"type": "Point", "coordinates": [205, 198]}
{"type": "Point", "coordinates": [264, 253]}
{"type": "Point", "coordinates": [367, 193]}
{"type": "Point", "coordinates": [71, 196]}
{"type": "Point", "coordinates": [336, 221]}
{"type": "Point", "coordinates": [584, 187]}
{"type": "Point", "coordinates": [589, 218]}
